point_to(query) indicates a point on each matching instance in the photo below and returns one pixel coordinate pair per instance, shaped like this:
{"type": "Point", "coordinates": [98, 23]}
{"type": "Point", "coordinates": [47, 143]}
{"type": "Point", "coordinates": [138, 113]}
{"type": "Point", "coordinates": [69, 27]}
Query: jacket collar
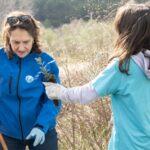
{"type": "Point", "coordinates": [142, 59]}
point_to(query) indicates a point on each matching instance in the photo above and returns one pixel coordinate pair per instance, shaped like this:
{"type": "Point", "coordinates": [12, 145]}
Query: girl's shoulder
{"type": "Point", "coordinates": [113, 65]}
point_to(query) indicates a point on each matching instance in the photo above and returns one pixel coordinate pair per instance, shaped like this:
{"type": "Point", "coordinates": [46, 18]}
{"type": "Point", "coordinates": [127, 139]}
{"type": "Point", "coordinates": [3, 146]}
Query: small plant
{"type": "Point", "coordinates": [49, 77]}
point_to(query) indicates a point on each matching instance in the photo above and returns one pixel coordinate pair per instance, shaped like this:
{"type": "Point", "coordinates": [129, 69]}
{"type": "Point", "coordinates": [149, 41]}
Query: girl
{"type": "Point", "coordinates": [126, 79]}
{"type": "Point", "coordinates": [27, 117]}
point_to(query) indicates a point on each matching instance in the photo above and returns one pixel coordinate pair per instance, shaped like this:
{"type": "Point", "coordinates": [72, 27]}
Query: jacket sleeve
{"type": "Point", "coordinates": [47, 116]}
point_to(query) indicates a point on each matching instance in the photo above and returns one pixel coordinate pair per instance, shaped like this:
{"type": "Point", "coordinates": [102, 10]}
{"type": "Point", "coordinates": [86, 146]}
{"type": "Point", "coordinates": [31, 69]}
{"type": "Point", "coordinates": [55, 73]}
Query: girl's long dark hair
{"type": "Point", "coordinates": [132, 23]}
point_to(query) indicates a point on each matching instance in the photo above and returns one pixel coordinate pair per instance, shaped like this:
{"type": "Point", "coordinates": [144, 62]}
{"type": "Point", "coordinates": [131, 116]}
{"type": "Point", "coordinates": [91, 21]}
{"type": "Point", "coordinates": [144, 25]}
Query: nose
{"type": "Point", "coordinates": [21, 47]}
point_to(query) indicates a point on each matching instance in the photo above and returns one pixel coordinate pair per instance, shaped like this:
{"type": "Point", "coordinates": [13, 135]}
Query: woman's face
{"type": "Point", "coordinates": [21, 42]}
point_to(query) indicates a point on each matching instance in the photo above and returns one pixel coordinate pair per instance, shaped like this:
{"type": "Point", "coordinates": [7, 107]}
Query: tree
{"type": "Point", "coordinates": [57, 12]}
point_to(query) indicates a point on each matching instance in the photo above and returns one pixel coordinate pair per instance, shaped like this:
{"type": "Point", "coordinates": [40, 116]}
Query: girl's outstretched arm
{"type": "Point", "coordinates": [107, 82]}
{"type": "Point", "coordinates": [81, 94]}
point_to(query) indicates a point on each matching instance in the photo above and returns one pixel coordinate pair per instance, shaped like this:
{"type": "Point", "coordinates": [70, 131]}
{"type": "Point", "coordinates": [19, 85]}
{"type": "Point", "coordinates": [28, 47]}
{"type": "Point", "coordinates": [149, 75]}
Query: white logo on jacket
{"type": "Point", "coordinates": [29, 79]}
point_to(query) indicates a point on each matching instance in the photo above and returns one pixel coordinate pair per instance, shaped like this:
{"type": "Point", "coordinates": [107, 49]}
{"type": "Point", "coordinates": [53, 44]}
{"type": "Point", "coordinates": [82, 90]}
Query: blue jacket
{"type": "Point", "coordinates": [23, 102]}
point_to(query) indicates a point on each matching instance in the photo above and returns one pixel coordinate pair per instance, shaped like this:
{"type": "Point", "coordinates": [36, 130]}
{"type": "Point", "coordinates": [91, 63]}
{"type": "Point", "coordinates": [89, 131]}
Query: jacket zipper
{"type": "Point", "coordinates": [19, 99]}
{"type": "Point", "coordinates": [9, 84]}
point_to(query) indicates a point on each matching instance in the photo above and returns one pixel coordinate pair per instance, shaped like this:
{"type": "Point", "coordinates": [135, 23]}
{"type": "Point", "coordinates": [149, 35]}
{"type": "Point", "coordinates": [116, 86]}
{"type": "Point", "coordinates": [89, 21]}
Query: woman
{"type": "Point", "coordinates": [27, 117]}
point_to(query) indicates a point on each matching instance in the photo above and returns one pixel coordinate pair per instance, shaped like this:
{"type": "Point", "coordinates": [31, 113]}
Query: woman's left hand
{"type": "Point", "coordinates": [38, 135]}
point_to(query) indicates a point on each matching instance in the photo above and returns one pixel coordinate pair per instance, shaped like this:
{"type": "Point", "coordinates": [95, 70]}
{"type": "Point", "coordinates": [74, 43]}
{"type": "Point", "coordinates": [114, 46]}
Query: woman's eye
{"type": "Point", "coordinates": [26, 42]}
{"type": "Point", "coordinates": [16, 42]}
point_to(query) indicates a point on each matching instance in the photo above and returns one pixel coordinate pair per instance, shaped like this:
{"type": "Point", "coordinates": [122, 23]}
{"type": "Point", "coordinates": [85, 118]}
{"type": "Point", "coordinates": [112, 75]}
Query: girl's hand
{"type": "Point", "coordinates": [54, 90]}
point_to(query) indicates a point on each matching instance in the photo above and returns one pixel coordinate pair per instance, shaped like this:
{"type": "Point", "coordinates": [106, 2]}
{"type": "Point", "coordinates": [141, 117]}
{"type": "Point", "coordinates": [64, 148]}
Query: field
{"type": "Point", "coordinates": [81, 50]}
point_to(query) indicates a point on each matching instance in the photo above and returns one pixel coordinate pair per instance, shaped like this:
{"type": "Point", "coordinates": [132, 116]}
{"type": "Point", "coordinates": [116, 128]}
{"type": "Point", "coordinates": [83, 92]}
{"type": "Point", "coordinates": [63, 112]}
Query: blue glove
{"type": "Point", "coordinates": [38, 135]}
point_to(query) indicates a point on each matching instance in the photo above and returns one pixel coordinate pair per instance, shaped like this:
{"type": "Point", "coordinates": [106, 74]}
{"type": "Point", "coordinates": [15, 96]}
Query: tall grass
{"type": "Point", "coordinates": [82, 50]}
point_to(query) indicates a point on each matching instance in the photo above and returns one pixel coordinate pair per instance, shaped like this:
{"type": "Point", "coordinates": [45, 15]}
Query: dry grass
{"type": "Point", "coordinates": [82, 50]}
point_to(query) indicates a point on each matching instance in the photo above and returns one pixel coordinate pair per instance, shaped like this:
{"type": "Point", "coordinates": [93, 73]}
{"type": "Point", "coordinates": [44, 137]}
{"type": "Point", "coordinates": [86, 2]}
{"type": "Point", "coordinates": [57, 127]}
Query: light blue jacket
{"type": "Point", "coordinates": [130, 99]}
{"type": "Point", "coordinates": [23, 102]}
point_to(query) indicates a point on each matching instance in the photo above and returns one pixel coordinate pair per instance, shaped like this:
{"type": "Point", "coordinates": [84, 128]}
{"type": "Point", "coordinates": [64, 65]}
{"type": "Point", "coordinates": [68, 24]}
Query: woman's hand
{"type": "Point", "coordinates": [38, 135]}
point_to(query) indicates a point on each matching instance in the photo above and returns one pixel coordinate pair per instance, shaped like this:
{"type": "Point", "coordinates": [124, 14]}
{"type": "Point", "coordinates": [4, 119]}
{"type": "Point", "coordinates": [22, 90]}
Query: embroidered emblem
{"type": "Point", "coordinates": [29, 78]}
{"type": "Point", "coordinates": [48, 76]}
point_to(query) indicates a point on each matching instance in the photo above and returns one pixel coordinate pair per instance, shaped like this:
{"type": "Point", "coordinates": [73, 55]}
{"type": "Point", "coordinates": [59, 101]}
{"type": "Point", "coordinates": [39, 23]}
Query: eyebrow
{"type": "Point", "coordinates": [21, 41]}
{"type": "Point", "coordinates": [26, 41]}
